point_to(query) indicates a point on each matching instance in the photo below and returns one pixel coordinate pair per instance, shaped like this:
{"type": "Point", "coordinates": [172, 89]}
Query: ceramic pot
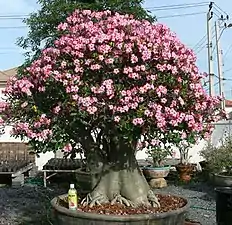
{"type": "Point", "coordinates": [156, 172]}
{"type": "Point", "coordinates": [185, 171]}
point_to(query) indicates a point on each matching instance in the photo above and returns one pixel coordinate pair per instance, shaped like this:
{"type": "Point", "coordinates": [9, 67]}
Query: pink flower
{"type": "Point", "coordinates": [67, 148]}
{"type": "Point", "coordinates": [91, 109]}
{"type": "Point", "coordinates": [116, 71]}
{"type": "Point", "coordinates": [57, 109]}
{"type": "Point", "coordinates": [25, 104]}
{"type": "Point", "coordinates": [117, 119]}
{"type": "Point", "coordinates": [138, 121]}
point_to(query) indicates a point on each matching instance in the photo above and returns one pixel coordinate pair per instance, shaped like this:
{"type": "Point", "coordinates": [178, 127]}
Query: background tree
{"type": "Point", "coordinates": [111, 85]}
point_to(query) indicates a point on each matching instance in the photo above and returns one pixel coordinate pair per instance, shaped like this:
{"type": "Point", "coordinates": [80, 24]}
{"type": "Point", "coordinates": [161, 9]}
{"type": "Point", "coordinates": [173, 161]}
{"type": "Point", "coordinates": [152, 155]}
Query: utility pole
{"type": "Point", "coordinates": [219, 62]}
{"type": "Point", "coordinates": [210, 50]}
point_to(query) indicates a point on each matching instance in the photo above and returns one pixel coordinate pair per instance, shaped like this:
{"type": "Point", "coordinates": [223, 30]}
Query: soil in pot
{"type": "Point", "coordinates": [167, 203]}
{"type": "Point", "coordinates": [185, 171]}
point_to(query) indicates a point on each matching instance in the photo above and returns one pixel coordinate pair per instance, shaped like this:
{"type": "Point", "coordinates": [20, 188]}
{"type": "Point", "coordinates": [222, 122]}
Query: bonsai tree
{"type": "Point", "coordinates": [109, 86]}
{"type": "Point", "coordinates": [184, 147]}
{"type": "Point", "coordinates": [159, 153]}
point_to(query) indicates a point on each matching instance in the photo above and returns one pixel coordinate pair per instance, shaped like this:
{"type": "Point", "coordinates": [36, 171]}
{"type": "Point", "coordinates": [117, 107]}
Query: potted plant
{"type": "Point", "coordinates": [157, 169]}
{"type": "Point", "coordinates": [184, 168]}
{"type": "Point", "coordinates": [156, 172]}
{"type": "Point", "coordinates": [219, 165]}
{"type": "Point", "coordinates": [110, 83]}
{"type": "Point", "coordinates": [219, 162]}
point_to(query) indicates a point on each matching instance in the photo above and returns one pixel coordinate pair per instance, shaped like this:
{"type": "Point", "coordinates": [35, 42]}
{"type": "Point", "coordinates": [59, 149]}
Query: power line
{"type": "Point", "coordinates": [222, 11]}
{"type": "Point", "coordinates": [217, 11]}
{"type": "Point", "coordinates": [15, 52]}
{"type": "Point", "coordinates": [15, 27]}
{"type": "Point", "coordinates": [203, 45]}
{"type": "Point", "coordinates": [219, 16]}
{"type": "Point", "coordinates": [12, 18]}
{"type": "Point", "coordinates": [161, 17]}
{"type": "Point", "coordinates": [178, 5]}
{"type": "Point", "coordinates": [8, 48]}
{"type": "Point", "coordinates": [13, 15]}
{"type": "Point", "coordinates": [227, 51]}
{"type": "Point", "coordinates": [180, 15]}
{"type": "Point", "coordinates": [200, 41]}
{"type": "Point", "coordinates": [228, 70]}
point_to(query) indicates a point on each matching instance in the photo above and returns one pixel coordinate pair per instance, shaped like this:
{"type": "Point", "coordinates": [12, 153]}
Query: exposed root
{"type": "Point", "coordinates": [153, 199]}
{"type": "Point", "coordinates": [125, 187]}
{"type": "Point", "coordinates": [86, 200]}
{"type": "Point", "coordinates": [119, 199]}
{"type": "Point", "coordinates": [92, 201]}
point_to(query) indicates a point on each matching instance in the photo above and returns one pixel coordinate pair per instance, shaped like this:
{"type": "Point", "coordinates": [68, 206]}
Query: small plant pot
{"type": "Point", "coordinates": [185, 171]}
{"type": "Point", "coordinates": [156, 172]}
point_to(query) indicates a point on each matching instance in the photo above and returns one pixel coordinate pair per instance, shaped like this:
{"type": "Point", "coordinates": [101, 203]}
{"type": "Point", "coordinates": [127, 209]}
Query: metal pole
{"type": "Point", "coordinates": [210, 52]}
{"type": "Point", "coordinates": [219, 62]}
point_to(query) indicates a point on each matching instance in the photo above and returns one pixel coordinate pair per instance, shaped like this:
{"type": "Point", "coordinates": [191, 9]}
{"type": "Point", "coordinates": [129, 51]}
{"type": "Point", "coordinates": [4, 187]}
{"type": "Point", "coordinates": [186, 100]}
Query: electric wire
{"type": "Point", "coordinates": [199, 43]}
{"type": "Point", "coordinates": [161, 17]}
{"type": "Point", "coordinates": [180, 15]}
{"type": "Point", "coordinates": [228, 70]}
{"type": "Point", "coordinates": [220, 8]}
{"type": "Point", "coordinates": [174, 8]}
{"type": "Point", "coordinates": [177, 5]}
{"type": "Point", "coordinates": [227, 52]}
{"type": "Point", "coordinates": [220, 13]}
{"type": "Point", "coordinates": [13, 27]}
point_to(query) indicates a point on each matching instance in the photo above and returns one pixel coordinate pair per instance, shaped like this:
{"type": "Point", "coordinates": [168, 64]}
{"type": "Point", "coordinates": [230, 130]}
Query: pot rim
{"type": "Point", "coordinates": [226, 190]}
{"type": "Point", "coordinates": [135, 217]}
{"type": "Point", "coordinates": [222, 176]}
{"type": "Point", "coordinates": [157, 168]}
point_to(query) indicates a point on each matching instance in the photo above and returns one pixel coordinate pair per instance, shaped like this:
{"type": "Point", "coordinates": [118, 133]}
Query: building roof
{"type": "Point", "coordinates": [6, 74]}
{"type": "Point", "coordinates": [228, 103]}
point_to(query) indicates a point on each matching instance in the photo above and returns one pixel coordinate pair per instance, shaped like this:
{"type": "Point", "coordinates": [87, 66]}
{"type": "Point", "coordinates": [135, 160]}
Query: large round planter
{"type": "Point", "coordinates": [220, 180]}
{"type": "Point", "coordinates": [224, 205]}
{"type": "Point", "coordinates": [64, 216]}
{"type": "Point", "coordinates": [185, 171]}
{"type": "Point", "coordinates": [156, 172]}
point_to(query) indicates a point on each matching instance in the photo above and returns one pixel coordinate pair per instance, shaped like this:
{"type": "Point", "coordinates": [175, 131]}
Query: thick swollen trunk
{"type": "Point", "coordinates": [122, 183]}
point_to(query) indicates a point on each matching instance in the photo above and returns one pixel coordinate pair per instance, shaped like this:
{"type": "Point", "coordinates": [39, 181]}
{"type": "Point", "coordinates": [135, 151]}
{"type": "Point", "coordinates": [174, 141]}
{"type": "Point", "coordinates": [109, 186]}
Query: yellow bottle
{"type": "Point", "coordinates": [72, 197]}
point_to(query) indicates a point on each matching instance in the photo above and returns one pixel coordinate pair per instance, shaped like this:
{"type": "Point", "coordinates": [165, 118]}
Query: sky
{"type": "Point", "coordinates": [190, 29]}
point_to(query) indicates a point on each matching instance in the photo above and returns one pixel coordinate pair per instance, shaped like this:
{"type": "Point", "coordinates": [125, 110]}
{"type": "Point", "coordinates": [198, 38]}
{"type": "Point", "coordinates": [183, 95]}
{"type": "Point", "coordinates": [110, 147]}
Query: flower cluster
{"type": "Point", "coordinates": [112, 68]}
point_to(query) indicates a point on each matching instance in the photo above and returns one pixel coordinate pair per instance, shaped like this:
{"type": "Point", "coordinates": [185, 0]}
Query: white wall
{"type": "Point", "coordinates": [194, 152]}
